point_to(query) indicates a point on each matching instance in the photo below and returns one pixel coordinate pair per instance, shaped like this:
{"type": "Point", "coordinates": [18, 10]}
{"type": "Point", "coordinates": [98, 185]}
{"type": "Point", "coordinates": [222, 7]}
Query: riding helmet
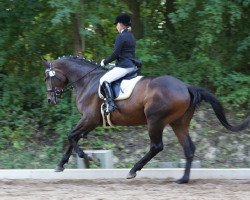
{"type": "Point", "coordinates": [124, 19]}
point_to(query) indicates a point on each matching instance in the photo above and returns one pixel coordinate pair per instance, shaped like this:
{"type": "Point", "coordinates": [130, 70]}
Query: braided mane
{"type": "Point", "coordinates": [81, 60]}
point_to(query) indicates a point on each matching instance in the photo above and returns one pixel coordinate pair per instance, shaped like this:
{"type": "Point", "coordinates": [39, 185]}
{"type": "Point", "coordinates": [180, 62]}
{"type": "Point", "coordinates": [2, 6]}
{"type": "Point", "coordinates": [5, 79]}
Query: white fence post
{"type": "Point", "coordinates": [104, 156]}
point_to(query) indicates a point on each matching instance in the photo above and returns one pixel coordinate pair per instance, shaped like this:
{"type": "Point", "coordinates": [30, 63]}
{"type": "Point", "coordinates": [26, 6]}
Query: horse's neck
{"type": "Point", "coordinates": [89, 81]}
{"type": "Point", "coordinates": [76, 73]}
{"type": "Point", "coordinates": [83, 78]}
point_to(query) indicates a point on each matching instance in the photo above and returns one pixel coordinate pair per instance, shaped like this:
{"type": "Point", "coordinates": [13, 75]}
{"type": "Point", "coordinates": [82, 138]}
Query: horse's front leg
{"type": "Point", "coordinates": [65, 159]}
{"type": "Point", "coordinates": [83, 127]}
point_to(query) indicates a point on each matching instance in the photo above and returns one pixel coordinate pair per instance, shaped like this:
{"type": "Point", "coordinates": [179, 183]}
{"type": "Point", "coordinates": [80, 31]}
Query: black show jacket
{"type": "Point", "coordinates": [124, 50]}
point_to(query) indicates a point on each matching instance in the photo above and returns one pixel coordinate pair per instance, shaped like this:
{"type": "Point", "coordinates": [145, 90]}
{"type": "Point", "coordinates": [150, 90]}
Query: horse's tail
{"type": "Point", "coordinates": [200, 94]}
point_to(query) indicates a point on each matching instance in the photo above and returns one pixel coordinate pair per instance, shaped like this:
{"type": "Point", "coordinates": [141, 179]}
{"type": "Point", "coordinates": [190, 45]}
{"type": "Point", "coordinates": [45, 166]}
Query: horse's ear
{"type": "Point", "coordinates": [44, 62]}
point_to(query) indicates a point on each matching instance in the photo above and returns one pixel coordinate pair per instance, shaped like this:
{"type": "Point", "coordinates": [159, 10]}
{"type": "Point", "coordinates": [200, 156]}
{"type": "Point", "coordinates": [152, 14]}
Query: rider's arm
{"type": "Point", "coordinates": [116, 51]}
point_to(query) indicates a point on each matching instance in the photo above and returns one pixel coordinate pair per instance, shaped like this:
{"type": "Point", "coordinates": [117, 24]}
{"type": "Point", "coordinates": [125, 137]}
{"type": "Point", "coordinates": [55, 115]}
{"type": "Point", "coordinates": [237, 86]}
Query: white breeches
{"type": "Point", "coordinates": [114, 74]}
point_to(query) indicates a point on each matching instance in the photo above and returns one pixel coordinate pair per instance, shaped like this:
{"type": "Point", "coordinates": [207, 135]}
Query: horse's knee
{"type": "Point", "coordinates": [73, 139]}
{"type": "Point", "coordinates": [156, 148]}
{"type": "Point", "coordinates": [72, 136]}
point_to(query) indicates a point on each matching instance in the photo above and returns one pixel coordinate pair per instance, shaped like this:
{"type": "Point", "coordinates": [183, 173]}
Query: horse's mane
{"type": "Point", "coordinates": [81, 61]}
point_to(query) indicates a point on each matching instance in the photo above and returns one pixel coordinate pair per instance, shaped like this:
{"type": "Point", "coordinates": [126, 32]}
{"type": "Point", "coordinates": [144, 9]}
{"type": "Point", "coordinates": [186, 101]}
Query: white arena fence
{"type": "Point", "coordinates": [90, 174]}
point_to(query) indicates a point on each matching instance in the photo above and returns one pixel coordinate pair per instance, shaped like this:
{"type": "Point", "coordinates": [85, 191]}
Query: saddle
{"type": "Point", "coordinates": [123, 87]}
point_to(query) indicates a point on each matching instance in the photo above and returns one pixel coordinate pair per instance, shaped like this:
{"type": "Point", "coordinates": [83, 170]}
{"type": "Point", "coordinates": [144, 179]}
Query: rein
{"type": "Point", "coordinates": [69, 86]}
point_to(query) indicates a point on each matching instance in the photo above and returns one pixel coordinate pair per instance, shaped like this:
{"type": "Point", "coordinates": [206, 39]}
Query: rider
{"type": "Point", "coordinates": [123, 53]}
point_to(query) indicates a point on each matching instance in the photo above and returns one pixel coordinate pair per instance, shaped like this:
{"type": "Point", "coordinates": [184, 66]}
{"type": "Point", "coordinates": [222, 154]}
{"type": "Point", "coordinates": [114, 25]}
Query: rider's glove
{"type": "Point", "coordinates": [102, 63]}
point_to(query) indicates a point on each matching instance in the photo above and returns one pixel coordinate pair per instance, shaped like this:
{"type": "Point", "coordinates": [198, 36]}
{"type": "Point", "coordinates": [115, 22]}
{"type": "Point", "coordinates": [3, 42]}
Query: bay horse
{"type": "Point", "coordinates": [155, 102]}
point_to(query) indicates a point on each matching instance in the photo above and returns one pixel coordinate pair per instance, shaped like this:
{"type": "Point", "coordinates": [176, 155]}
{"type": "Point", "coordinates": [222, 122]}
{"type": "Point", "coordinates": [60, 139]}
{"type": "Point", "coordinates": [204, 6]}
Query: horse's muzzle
{"type": "Point", "coordinates": [50, 101]}
{"type": "Point", "coordinates": [53, 101]}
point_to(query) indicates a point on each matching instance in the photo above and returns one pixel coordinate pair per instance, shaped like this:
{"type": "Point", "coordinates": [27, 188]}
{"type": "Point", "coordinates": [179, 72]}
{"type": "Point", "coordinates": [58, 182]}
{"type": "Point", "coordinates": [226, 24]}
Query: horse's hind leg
{"type": "Point", "coordinates": [181, 130]}
{"type": "Point", "coordinates": [156, 145]}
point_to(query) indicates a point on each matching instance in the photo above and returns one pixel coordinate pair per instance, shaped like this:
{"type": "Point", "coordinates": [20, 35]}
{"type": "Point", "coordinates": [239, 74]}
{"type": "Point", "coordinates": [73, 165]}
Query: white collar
{"type": "Point", "coordinates": [123, 30]}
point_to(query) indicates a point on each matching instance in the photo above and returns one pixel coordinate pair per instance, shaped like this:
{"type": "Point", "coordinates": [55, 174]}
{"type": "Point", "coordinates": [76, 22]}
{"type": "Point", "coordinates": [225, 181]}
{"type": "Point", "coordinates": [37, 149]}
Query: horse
{"type": "Point", "coordinates": [156, 101]}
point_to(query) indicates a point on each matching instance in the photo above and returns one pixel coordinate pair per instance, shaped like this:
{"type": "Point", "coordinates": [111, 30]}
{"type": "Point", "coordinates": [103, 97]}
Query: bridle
{"type": "Point", "coordinates": [50, 73]}
{"type": "Point", "coordinates": [58, 92]}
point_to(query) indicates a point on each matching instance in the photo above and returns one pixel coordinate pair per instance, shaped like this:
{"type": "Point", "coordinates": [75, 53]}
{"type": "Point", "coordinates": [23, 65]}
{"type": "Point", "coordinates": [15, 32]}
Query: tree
{"type": "Point", "coordinates": [137, 25]}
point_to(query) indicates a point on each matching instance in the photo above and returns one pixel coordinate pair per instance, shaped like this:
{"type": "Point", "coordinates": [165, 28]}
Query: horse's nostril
{"type": "Point", "coordinates": [49, 100]}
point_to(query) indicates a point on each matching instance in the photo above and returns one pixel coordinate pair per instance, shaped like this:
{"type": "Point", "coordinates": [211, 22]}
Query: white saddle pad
{"type": "Point", "coordinates": [126, 88]}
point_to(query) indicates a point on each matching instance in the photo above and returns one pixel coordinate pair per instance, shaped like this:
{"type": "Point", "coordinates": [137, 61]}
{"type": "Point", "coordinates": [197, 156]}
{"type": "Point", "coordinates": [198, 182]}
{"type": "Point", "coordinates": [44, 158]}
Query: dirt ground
{"type": "Point", "coordinates": [122, 189]}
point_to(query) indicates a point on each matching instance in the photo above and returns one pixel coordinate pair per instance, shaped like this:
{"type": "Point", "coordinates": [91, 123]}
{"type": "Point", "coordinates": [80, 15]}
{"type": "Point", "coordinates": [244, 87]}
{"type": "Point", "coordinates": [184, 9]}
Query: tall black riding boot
{"type": "Point", "coordinates": [109, 96]}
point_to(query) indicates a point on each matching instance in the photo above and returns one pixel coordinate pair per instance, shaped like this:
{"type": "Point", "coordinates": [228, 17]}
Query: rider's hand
{"type": "Point", "coordinates": [102, 63]}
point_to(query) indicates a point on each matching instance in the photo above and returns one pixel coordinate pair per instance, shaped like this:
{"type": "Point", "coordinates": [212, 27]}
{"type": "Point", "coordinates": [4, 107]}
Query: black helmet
{"type": "Point", "coordinates": [124, 19]}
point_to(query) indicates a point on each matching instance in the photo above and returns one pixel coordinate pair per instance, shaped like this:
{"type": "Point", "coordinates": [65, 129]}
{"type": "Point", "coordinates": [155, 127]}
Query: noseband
{"type": "Point", "coordinates": [52, 74]}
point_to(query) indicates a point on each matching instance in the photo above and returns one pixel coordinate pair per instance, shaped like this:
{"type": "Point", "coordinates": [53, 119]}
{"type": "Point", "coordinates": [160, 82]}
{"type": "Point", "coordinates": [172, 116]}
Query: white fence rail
{"type": "Point", "coordinates": [174, 173]}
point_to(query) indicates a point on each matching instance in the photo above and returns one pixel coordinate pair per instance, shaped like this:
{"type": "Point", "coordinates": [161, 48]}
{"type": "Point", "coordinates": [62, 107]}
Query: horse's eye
{"type": "Point", "coordinates": [58, 92]}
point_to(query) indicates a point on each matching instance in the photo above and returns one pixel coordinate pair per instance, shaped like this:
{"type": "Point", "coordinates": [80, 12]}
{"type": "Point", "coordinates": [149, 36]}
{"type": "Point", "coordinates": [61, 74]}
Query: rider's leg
{"type": "Point", "coordinates": [105, 81]}
{"type": "Point", "coordinates": [109, 96]}
{"type": "Point", "coordinates": [115, 74]}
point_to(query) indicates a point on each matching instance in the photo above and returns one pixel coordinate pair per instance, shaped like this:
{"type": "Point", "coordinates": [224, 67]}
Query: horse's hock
{"type": "Point", "coordinates": [104, 157]}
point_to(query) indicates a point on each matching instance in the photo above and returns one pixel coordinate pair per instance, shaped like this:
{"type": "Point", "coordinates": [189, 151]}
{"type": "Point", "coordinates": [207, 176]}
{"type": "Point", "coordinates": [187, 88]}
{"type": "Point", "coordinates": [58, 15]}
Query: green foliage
{"type": "Point", "coordinates": [26, 119]}
{"type": "Point", "coordinates": [64, 9]}
{"type": "Point", "coordinates": [234, 95]}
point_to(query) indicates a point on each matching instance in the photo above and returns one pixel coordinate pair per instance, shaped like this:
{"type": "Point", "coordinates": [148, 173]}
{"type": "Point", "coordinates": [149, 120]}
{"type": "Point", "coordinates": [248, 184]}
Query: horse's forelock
{"type": "Point", "coordinates": [45, 63]}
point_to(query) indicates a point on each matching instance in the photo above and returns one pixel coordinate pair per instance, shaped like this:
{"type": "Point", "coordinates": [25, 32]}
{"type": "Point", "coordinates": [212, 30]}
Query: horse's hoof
{"type": "Point", "coordinates": [90, 158]}
{"type": "Point", "coordinates": [182, 181]}
{"type": "Point", "coordinates": [59, 169]}
{"type": "Point", "coordinates": [81, 154]}
{"type": "Point", "coordinates": [131, 175]}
